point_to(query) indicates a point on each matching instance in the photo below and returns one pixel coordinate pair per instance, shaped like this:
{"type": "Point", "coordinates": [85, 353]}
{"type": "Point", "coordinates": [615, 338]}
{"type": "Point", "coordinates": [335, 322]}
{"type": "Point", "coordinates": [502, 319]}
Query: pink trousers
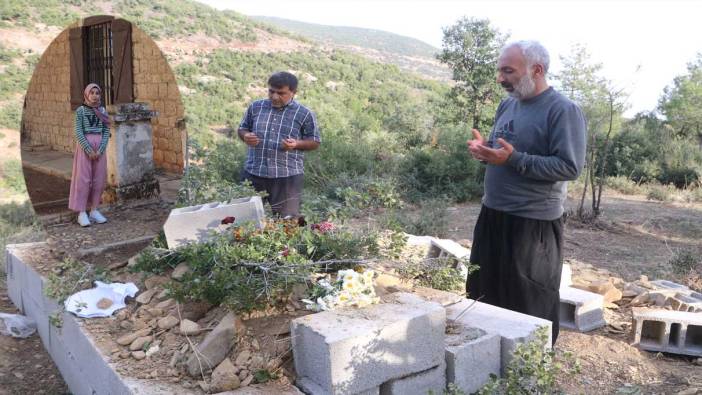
{"type": "Point", "coordinates": [89, 177]}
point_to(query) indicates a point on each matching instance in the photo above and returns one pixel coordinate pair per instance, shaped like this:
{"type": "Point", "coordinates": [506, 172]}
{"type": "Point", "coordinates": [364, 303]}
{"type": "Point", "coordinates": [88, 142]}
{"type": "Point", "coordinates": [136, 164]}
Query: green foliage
{"type": "Point", "coordinates": [71, 276]}
{"type": "Point", "coordinates": [11, 115]}
{"type": "Point", "coordinates": [11, 176]}
{"type": "Point", "coordinates": [533, 369]}
{"type": "Point", "coordinates": [681, 103]}
{"type": "Point", "coordinates": [684, 261]}
{"type": "Point", "coordinates": [437, 273]}
{"type": "Point", "coordinates": [263, 376]}
{"type": "Point", "coordinates": [431, 218]}
{"type": "Point", "coordinates": [13, 80]}
{"type": "Point", "coordinates": [213, 176]}
{"type": "Point", "coordinates": [15, 219]}
{"type": "Point", "coordinates": [471, 48]}
{"type": "Point", "coordinates": [248, 269]}
{"type": "Point", "coordinates": [661, 193]}
{"type": "Point", "coordinates": [444, 169]}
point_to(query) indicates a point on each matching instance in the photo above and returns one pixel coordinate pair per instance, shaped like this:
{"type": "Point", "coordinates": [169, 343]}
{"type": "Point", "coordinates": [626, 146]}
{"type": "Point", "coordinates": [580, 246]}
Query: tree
{"type": "Point", "coordinates": [603, 105]}
{"type": "Point", "coordinates": [681, 104]}
{"type": "Point", "coordinates": [471, 48]}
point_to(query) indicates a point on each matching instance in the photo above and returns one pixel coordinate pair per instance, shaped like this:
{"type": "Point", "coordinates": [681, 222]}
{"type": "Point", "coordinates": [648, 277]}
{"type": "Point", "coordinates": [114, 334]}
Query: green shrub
{"type": "Point", "coordinates": [436, 273]}
{"type": "Point", "coordinates": [533, 369]}
{"type": "Point", "coordinates": [248, 269]}
{"type": "Point", "coordinates": [11, 176]}
{"type": "Point", "coordinates": [661, 193]}
{"type": "Point", "coordinates": [684, 261]}
{"type": "Point", "coordinates": [624, 185]}
{"type": "Point", "coordinates": [430, 219]}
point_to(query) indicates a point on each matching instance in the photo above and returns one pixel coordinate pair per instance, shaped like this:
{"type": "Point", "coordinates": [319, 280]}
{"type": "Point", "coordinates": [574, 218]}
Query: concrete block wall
{"type": "Point", "coordinates": [351, 351]}
{"type": "Point", "coordinates": [430, 381]}
{"type": "Point", "coordinates": [472, 355]}
{"type": "Point", "coordinates": [512, 327]}
{"type": "Point", "coordinates": [195, 223]}
{"type": "Point", "coordinates": [83, 366]}
{"type": "Point", "coordinates": [670, 331]}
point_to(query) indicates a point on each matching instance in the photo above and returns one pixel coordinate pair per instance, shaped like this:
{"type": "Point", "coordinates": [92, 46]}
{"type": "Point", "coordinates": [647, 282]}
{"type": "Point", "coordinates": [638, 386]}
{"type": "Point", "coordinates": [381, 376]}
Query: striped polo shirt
{"type": "Point", "coordinates": [89, 123]}
{"type": "Point", "coordinates": [272, 126]}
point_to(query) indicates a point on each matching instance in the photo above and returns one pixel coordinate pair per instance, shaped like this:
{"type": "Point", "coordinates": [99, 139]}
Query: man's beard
{"type": "Point", "coordinates": [524, 88]}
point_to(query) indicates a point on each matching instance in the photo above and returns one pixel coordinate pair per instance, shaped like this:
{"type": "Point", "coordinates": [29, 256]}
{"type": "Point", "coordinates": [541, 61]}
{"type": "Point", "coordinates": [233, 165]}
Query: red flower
{"type": "Point", "coordinates": [323, 227]}
{"type": "Point", "coordinates": [228, 220]}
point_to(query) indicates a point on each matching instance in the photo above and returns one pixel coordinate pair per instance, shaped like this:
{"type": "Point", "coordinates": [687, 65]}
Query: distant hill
{"type": "Point", "coordinates": [406, 52]}
{"type": "Point", "coordinates": [345, 35]}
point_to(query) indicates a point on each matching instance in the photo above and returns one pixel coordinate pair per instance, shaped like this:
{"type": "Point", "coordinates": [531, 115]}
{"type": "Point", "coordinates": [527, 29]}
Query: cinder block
{"type": "Point", "coordinates": [472, 355]}
{"type": "Point", "coordinates": [566, 276]}
{"type": "Point", "coordinates": [430, 381]}
{"type": "Point", "coordinates": [196, 223]}
{"type": "Point", "coordinates": [581, 310]}
{"type": "Point", "coordinates": [447, 247]}
{"type": "Point", "coordinates": [513, 327]}
{"type": "Point", "coordinates": [349, 351]}
{"type": "Point", "coordinates": [670, 331]}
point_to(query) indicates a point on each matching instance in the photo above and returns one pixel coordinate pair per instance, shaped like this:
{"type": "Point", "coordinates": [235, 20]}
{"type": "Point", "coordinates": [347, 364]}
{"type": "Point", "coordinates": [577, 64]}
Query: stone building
{"type": "Point", "coordinates": [129, 66]}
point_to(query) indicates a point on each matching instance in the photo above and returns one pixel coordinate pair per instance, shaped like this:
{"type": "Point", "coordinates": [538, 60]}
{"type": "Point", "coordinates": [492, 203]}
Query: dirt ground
{"type": "Point", "coordinates": [634, 237]}
{"type": "Point", "coordinates": [48, 194]}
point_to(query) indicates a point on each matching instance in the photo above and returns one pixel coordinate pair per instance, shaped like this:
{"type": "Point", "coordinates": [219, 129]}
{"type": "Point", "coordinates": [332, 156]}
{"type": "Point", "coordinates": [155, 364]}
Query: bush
{"type": "Point", "coordinates": [436, 273]}
{"type": "Point", "coordinates": [624, 185]}
{"type": "Point", "coordinates": [431, 219]}
{"type": "Point", "coordinates": [533, 369]}
{"type": "Point", "coordinates": [445, 169]}
{"type": "Point", "coordinates": [684, 261]}
{"type": "Point", "coordinates": [661, 193]}
{"type": "Point", "coordinates": [248, 269]}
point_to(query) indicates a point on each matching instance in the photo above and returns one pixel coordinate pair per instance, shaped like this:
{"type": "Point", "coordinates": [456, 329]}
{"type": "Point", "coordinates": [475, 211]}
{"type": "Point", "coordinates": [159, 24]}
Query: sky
{"type": "Point", "coordinates": [642, 44]}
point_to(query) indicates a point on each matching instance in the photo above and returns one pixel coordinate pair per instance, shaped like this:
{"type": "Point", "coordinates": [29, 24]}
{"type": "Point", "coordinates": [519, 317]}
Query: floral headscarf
{"type": "Point", "coordinates": [99, 111]}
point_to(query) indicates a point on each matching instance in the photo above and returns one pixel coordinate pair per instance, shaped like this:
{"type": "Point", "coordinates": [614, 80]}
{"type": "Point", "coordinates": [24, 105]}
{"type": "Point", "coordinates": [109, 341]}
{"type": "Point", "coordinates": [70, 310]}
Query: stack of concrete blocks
{"type": "Point", "coordinates": [675, 332]}
{"type": "Point", "coordinates": [83, 366]}
{"type": "Point", "coordinates": [511, 327]}
{"type": "Point", "coordinates": [579, 310]}
{"type": "Point", "coordinates": [472, 355]}
{"type": "Point", "coordinates": [389, 348]}
{"type": "Point", "coordinates": [198, 223]}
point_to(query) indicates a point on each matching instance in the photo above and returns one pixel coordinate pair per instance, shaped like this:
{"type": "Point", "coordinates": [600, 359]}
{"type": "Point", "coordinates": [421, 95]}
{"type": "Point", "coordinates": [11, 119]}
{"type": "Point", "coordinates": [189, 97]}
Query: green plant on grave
{"type": "Point", "coordinates": [263, 376]}
{"type": "Point", "coordinates": [533, 369]}
{"type": "Point", "coordinates": [56, 319]}
{"type": "Point", "coordinates": [71, 276]}
{"type": "Point", "coordinates": [437, 273]}
{"type": "Point", "coordinates": [246, 268]}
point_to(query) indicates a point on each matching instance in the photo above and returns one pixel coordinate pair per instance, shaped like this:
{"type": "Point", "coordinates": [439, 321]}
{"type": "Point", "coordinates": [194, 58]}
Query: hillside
{"type": "Point", "coordinates": [406, 52]}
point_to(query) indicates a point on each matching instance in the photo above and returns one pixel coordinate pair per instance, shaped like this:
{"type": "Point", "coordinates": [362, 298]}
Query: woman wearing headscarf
{"type": "Point", "coordinates": [92, 132]}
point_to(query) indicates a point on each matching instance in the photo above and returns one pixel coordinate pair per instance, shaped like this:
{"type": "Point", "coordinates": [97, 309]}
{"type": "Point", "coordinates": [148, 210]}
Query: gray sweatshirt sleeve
{"type": "Point", "coordinates": [567, 142]}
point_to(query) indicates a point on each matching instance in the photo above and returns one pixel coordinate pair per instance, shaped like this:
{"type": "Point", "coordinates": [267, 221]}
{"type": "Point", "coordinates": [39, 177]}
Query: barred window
{"type": "Point", "coordinates": [101, 52]}
{"type": "Point", "coordinates": [98, 58]}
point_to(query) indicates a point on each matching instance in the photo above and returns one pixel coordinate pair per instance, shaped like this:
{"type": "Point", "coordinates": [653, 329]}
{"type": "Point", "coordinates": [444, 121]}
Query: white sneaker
{"type": "Point", "coordinates": [83, 219]}
{"type": "Point", "coordinates": [97, 217]}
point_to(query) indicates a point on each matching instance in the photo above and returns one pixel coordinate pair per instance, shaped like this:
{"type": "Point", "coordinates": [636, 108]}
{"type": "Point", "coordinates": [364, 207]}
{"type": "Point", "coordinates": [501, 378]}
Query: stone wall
{"type": "Point", "coordinates": [47, 120]}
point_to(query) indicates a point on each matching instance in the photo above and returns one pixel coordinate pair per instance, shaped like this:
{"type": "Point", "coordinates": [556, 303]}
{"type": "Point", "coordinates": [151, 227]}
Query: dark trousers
{"type": "Point", "coordinates": [283, 193]}
{"type": "Point", "coordinates": [520, 263]}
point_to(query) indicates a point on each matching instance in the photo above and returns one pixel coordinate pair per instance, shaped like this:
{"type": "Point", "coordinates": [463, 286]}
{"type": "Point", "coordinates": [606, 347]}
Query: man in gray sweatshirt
{"type": "Point", "coordinates": [537, 144]}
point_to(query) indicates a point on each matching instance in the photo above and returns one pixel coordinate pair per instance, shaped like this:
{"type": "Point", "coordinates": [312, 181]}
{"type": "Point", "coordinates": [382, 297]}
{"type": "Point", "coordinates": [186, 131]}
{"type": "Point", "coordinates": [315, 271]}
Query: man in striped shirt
{"type": "Point", "coordinates": [277, 131]}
